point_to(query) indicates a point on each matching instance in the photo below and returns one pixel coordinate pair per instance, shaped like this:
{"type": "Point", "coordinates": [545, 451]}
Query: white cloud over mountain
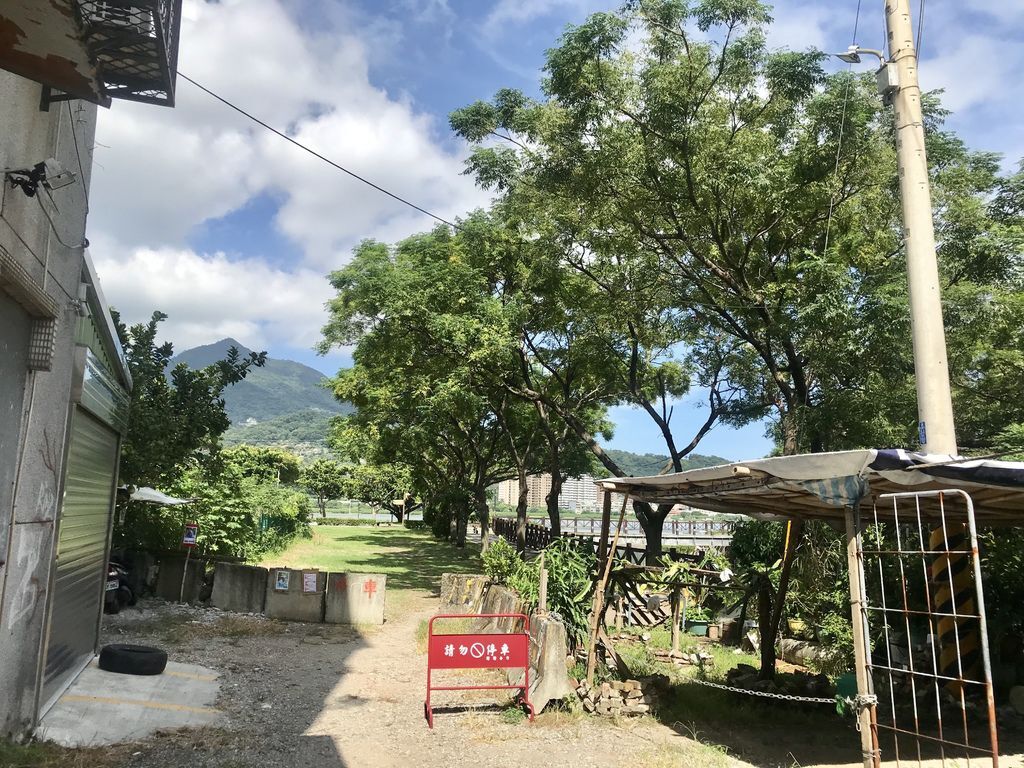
{"type": "Point", "coordinates": [161, 173]}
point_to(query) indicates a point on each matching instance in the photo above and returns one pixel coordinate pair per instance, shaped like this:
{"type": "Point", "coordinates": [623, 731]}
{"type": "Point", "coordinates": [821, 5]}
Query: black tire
{"type": "Point", "coordinates": [132, 659]}
{"type": "Point", "coordinates": [125, 597]}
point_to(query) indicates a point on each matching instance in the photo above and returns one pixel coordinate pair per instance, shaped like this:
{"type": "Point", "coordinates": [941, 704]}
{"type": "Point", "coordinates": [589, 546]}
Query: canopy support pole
{"type": "Point", "coordinates": [858, 602]}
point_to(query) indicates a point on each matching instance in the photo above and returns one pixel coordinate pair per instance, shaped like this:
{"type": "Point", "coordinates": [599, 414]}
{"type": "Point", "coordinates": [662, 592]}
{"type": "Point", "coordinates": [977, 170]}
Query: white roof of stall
{"type": "Point", "coordinates": [825, 485]}
{"type": "Point", "coordinates": [158, 497]}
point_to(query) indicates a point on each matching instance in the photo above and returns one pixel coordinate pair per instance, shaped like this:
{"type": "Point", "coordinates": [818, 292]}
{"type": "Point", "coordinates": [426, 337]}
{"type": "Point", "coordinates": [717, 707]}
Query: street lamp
{"type": "Point", "coordinates": [852, 55]}
{"type": "Point", "coordinates": [887, 76]}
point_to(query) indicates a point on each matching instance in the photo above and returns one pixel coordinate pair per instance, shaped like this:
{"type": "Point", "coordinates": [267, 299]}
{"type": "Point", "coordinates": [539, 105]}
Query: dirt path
{"type": "Point", "coordinates": [313, 696]}
{"type": "Point", "coordinates": [316, 696]}
{"type": "Point", "coordinates": [374, 716]}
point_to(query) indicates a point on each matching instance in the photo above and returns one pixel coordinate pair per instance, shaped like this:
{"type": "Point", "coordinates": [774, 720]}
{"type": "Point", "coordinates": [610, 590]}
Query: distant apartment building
{"type": "Point", "coordinates": [579, 494]}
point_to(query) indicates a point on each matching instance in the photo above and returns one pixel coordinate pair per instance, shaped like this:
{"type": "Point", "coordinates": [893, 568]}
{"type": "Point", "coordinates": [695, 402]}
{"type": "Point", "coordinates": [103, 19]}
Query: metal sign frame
{"type": "Point", "coordinates": [919, 596]}
{"type": "Point", "coordinates": [518, 657]}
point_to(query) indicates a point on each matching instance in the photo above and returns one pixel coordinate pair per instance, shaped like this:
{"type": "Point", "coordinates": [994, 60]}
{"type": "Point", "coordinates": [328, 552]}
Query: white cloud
{"type": "Point", "coordinates": [209, 297]}
{"type": "Point", "coordinates": [508, 13]}
{"type": "Point", "coordinates": [161, 173]}
{"type": "Point", "coordinates": [166, 171]}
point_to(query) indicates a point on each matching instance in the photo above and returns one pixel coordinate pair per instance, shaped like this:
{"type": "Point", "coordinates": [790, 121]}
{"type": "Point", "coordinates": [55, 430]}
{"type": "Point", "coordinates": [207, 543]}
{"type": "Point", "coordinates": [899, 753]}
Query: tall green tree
{"type": "Point", "coordinates": [430, 349]}
{"type": "Point", "coordinates": [753, 200]}
{"type": "Point", "coordinates": [177, 416]}
{"type": "Point", "coordinates": [265, 463]}
{"type": "Point", "coordinates": [325, 480]}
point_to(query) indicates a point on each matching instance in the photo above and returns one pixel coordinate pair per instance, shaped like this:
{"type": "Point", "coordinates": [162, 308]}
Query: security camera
{"type": "Point", "coordinates": [56, 175]}
{"type": "Point", "coordinates": [50, 173]}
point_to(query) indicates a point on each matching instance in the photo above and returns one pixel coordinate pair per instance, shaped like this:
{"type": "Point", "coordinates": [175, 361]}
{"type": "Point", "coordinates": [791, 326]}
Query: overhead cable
{"type": "Point", "coordinates": [316, 154]}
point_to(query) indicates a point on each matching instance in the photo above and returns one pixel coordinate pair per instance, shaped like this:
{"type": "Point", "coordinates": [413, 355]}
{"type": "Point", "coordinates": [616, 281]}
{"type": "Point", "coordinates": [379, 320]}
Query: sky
{"type": "Point", "coordinates": [230, 230]}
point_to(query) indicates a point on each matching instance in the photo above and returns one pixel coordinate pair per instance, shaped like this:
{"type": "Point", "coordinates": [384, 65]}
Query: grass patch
{"type": "Point", "coordinates": [697, 753]}
{"type": "Point", "coordinates": [411, 559]}
{"type": "Point", "coordinates": [513, 715]}
{"type": "Point", "coordinates": [236, 627]}
{"type": "Point", "coordinates": [51, 756]}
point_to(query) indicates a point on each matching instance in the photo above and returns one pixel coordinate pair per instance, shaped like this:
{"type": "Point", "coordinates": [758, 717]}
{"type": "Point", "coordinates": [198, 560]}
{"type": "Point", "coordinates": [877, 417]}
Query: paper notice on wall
{"type": "Point", "coordinates": [281, 580]}
{"type": "Point", "coordinates": [309, 582]}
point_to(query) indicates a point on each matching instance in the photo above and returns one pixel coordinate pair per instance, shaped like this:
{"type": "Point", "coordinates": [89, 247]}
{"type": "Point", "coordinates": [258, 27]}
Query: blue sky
{"type": "Point", "coordinates": [230, 230]}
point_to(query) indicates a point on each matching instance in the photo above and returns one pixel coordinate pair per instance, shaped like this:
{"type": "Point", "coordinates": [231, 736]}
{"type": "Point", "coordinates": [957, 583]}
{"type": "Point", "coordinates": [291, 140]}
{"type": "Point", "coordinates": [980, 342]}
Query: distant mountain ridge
{"type": "Point", "coordinates": [278, 388]}
{"type": "Point", "coordinates": [646, 464]}
{"type": "Point", "coordinates": [284, 403]}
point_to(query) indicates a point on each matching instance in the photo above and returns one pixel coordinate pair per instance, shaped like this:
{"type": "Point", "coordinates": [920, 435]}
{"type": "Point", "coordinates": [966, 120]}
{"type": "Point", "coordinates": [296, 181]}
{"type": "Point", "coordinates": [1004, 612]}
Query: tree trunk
{"type": "Point", "coordinates": [461, 523]}
{"type": "Point", "coordinates": [483, 512]}
{"type": "Point", "coordinates": [554, 516]}
{"type": "Point", "coordinates": [521, 508]}
{"type": "Point", "coordinates": [764, 619]}
{"type": "Point", "coordinates": [768, 627]}
{"type": "Point", "coordinates": [652, 520]}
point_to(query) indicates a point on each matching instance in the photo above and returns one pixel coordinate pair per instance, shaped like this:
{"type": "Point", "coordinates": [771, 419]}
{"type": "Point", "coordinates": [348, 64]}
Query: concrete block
{"type": "Point", "coordinates": [292, 602]}
{"type": "Point", "coordinates": [239, 588]}
{"type": "Point", "coordinates": [462, 592]}
{"type": "Point", "coordinates": [549, 678]}
{"type": "Point", "coordinates": [168, 582]}
{"type": "Point", "coordinates": [355, 598]}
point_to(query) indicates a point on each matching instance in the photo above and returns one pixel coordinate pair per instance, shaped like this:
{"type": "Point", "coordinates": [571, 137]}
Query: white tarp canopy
{"type": "Point", "coordinates": [825, 485]}
{"type": "Point", "coordinates": [156, 497]}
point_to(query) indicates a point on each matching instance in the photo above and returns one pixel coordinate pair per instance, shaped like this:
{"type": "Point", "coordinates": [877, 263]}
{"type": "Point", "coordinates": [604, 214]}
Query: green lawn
{"type": "Point", "coordinates": [412, 560]}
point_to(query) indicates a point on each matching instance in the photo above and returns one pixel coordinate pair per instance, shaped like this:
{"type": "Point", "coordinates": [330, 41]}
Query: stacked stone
{"type": "Point", "coordinates": [681, 659]}
{"type": "Point", "coordinates": [620, 697]}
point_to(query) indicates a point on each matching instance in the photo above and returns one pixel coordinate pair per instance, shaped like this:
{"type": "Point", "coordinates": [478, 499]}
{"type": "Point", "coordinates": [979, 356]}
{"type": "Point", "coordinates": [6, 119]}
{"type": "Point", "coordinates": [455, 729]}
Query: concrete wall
{"type": "Point", "coordinates": [293, 604]}
{"type": "Point", "coordinates": [32, 467]}
{"type": "Point", "coordinates": [462, 592]}
{"type": "Point", "coordinates": [549, 645]}
{"type": "Point", "coordinates": [239, 588]}
{"type": "Point", "coordinates": [169, 582]}
{"type": "Point", "coordinates": [355, 598]}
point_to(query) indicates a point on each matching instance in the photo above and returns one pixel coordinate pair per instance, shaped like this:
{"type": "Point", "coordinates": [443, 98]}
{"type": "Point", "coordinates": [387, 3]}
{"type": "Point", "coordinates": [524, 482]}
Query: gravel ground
{"type": "Point", "coordinates": [319, 696]}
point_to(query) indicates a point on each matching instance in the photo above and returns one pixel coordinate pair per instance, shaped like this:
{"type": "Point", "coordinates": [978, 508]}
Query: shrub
{"type": "Point", "coordinates": [501, 561]}
{"type": "Point", "coordinates": [569, 580]}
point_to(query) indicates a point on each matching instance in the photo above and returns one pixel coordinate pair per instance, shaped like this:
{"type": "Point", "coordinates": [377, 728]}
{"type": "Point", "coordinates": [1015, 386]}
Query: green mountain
{"type": "Point", "coordinates": [284, 403]}
{"type": "Point", "coordinates": [646, 464]}
{"type": "Point", "coordinates": [302, 432]}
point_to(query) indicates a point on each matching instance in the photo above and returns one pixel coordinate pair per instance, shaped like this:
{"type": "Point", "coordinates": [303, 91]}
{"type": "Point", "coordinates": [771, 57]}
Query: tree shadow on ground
{"type": "Point", "coordinates": [413, 561]}
{"type": "Point", "coordinates": [770, 733]}
{"type": "Point", "coordinates": [275, 678]}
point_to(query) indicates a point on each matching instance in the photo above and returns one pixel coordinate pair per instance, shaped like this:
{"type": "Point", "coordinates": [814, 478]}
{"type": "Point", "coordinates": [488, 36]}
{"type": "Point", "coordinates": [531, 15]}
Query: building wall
{"type": "Point", "coordinates": [578, 493]}
{"type": "Point", "coordinates": [32, 467]}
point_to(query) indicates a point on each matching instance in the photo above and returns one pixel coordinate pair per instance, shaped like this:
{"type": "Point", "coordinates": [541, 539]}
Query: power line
{"type": "Point", "coordinates": [81, 171]}
{"type": "Point", "coordinates": [920, 28]}
{"type": "Point", "coordinates": [316, 154]}
{"type": "Point", "coordinates": [842, 131]}
{"type": "Point", "coordinates": [54, 226]}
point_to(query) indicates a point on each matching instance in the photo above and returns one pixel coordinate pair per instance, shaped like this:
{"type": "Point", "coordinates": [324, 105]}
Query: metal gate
{"type": "Point", "coordinates": [923, 611]}
{"type": "Point", "coordinates": [83, 541]}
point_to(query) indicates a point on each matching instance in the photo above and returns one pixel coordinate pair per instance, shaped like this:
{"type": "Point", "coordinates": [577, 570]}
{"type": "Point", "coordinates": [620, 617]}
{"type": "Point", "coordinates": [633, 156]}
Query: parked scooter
{"type": "Point", "coordinates": [118, 592]}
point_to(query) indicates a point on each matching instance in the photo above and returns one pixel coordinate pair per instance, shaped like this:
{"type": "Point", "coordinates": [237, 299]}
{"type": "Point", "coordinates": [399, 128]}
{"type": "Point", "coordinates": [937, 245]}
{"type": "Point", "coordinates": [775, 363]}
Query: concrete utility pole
{"type": "Point", "coordinates": [934, 399]}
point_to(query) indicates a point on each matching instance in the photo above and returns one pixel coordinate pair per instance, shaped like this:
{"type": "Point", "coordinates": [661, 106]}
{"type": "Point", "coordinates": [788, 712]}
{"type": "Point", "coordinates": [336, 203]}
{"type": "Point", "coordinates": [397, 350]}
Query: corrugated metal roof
{"type": "Point", "coordinates": [825, 485]}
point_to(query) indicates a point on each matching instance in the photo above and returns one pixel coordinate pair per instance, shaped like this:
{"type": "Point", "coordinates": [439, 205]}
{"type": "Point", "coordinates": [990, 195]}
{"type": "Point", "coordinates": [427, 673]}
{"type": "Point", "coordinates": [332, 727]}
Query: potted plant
{"type": "Point", "coordinates": [697, 620]}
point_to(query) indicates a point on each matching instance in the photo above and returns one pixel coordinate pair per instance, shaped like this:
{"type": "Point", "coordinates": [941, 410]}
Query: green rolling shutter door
{"type": "Point", "coordinates": [82, 551]}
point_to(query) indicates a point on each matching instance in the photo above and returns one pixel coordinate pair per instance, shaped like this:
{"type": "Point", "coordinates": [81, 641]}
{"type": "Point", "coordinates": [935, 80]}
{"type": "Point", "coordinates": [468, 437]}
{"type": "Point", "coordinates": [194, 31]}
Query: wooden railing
{"type": "Point", "coordinates": [539, 536]}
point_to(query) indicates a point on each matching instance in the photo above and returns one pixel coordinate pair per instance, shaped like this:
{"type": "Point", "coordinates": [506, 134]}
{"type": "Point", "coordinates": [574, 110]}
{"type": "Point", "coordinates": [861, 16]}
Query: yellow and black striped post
{"type": "Point", "coordinates": [953, 594]}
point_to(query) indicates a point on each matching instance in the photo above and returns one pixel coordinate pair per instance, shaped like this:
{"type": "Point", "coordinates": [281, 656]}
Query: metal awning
{"type": "Point", "coordinates": [825, 485]}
